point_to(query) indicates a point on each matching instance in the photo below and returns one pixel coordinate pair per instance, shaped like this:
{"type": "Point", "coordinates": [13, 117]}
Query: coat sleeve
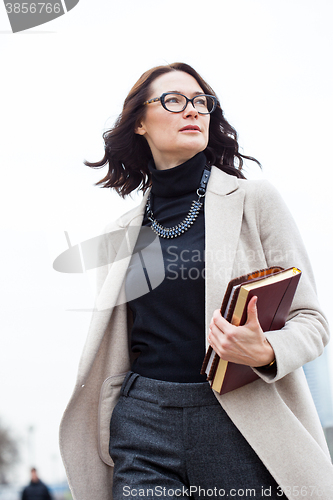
{"type": "Point", "coordinates": [306, 332]}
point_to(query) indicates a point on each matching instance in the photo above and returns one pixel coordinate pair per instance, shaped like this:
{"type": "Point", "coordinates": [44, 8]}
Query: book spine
{"type": "Point", "coordinates": [215, 364]}
{"type": "Point", "coordinates": [206, 360]}
{"type": "Point", "coordinates": [229, 312]}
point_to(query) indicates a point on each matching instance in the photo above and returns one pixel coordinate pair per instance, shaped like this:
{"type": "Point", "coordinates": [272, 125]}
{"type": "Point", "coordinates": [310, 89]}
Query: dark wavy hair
{"type": "Point", "coordinates": [128, 153]}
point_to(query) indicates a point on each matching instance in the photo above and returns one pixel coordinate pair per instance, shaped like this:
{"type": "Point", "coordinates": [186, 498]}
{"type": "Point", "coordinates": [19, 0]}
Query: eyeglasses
{"type": "Point", "coordinates": [176, 103]}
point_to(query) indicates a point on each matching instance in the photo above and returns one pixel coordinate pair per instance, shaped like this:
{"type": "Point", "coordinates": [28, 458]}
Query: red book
{"type": "Point", "coordinates": [275, 288]}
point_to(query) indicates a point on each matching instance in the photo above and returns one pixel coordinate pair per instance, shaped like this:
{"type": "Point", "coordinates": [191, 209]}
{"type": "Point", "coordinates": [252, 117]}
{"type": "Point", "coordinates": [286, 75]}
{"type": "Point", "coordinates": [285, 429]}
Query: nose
{"type": "Point", "coordinates": [190, 110]}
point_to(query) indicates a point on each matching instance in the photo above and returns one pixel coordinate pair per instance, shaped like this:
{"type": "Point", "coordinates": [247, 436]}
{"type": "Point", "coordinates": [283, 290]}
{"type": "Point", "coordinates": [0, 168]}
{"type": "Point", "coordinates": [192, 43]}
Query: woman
{"type": "Point", "coordinates": [171, 436]}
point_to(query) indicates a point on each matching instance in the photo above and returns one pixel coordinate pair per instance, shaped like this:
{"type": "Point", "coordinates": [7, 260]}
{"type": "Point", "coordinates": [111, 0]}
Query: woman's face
{"type": "Point", "coordinates": [174, 138]}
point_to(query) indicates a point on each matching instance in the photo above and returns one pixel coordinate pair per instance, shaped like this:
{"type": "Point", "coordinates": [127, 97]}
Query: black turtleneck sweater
{"type": "Point", "coordinates": [169, 322]}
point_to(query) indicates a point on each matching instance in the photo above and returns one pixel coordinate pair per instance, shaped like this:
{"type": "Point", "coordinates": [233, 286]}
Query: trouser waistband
{"type": "Point", "coordinates": [182, 395]}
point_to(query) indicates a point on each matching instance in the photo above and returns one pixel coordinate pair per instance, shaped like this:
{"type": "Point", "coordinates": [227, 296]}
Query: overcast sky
{"type": "Point", "coordinates": [62, 84]}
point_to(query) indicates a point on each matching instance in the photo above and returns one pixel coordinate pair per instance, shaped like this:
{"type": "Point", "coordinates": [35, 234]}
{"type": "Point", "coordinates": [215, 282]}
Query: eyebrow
{"type": "Point", "coordinates": [179, 92]}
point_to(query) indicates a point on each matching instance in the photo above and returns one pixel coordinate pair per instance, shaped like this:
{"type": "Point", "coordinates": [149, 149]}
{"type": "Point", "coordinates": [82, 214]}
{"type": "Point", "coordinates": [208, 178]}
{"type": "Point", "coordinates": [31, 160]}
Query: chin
{"type": "Point", "coordinates": [193, 143]}
{"type": "Point", "coordinates": [192, 151]}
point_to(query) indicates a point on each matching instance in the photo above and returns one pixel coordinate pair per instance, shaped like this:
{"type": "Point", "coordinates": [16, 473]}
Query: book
{"type": "Point", "coordinates": [211, 359]}
{"type": "Point", "coordinates": [275, 288]}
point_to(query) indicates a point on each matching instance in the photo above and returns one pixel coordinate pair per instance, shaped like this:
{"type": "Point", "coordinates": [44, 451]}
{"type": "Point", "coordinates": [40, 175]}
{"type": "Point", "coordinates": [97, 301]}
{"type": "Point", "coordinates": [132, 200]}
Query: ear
{"type": "Point", "coordinates": [140, 129]}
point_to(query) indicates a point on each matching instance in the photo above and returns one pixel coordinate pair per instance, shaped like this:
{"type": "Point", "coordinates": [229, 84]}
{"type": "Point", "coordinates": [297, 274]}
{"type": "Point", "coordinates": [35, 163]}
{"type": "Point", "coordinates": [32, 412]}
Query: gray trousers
{"type": "Point", "coordinates": [172, 440]}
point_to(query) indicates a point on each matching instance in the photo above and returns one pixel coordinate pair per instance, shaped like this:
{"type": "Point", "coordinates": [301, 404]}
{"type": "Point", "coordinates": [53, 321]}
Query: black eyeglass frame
{"type": "Point", "coordinates": [162, 98]}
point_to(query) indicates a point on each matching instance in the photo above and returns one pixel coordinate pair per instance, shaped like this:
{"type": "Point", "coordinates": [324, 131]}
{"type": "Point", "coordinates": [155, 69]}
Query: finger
{"type": "Point", "coordinates": [214, 333]}
{"type": "Point", "coordinates": [216, 320]}
{"type": "Point", "coordinates": [252, 311]}
{"type": "Point", "coordinates": [214, 343]}
{"type": "Point", "coordinates": [211, 339]}
{"type": "Point", "coordinates": [216, 316]}
{"type": "Point", "coordinates": [219, 321]}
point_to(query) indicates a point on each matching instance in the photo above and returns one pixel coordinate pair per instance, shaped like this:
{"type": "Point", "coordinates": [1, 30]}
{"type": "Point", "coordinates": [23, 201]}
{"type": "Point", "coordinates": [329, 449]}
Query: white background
{"type": "Point", "coordinates": [62, 84]}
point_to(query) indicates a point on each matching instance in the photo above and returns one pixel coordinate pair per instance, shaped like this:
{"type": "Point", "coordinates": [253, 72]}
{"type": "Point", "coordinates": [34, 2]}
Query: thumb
{"type": "Point", "coordinates": [252, 311]}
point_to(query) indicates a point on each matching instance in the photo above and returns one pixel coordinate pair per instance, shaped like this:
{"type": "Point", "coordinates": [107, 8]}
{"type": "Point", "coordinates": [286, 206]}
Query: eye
{"type": "Point", "coordinates": [201, 101]}
{"type": "Point", "coordinates": [172, 99]}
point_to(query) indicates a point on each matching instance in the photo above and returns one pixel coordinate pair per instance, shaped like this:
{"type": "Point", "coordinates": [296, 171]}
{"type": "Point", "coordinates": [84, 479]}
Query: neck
{"type": "Point", "coordinates": [177, 181]}
{"type": "Point", "coordinates": [164, 163]}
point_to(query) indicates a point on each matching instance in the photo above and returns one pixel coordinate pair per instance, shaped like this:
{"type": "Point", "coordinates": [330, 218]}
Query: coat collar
{"type": "Point", "coordinates": [134, 216]}
{"type": "Point", "coordinates": [219, 183]}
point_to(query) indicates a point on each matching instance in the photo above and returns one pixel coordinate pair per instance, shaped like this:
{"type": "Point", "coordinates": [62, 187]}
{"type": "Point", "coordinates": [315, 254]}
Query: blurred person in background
{"type": "Point", "coordinates": [36, 490]}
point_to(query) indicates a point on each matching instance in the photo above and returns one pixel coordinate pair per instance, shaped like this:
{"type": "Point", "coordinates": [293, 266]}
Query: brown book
{"type": "Point", "coordinates": [230, 297]}
{"type": "Point", "coordinates": [275, 288]}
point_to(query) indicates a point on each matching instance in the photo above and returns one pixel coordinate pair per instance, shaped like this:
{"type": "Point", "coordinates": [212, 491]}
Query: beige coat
{"type": "Point", "coordinates": [247, 227]}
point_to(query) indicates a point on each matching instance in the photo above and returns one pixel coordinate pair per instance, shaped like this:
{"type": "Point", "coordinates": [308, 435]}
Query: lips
{"type": "Point", "coordinates": [193, 128]}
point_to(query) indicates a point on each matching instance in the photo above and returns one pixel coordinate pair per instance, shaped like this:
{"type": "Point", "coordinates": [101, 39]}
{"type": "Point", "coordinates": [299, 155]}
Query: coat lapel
{"type": "Point", "coordinates": [131, 225]}
{"type": "Point", "coordinates": [109, 295]}
{"type": "Point", "coordinates": [223, 219]}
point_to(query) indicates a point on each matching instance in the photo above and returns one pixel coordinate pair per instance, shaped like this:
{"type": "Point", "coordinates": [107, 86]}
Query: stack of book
{"type": "Point", "coordinates": [275, 288]}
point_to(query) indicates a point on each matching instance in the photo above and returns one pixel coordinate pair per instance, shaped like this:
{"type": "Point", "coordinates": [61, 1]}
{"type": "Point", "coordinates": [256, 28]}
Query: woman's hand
{"type": "Point", "coordinates": [246, 345]}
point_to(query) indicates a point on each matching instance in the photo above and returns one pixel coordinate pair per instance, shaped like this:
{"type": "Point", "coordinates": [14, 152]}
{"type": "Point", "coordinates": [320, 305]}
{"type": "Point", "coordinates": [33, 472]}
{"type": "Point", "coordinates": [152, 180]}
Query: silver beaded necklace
{"type": "Point", "coordinates": [179, 229]}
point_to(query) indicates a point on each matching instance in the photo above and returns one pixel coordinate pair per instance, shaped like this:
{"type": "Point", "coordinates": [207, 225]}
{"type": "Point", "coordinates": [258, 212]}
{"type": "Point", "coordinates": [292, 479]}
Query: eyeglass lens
{"type": "Point", "coordinates": [176, 102]}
